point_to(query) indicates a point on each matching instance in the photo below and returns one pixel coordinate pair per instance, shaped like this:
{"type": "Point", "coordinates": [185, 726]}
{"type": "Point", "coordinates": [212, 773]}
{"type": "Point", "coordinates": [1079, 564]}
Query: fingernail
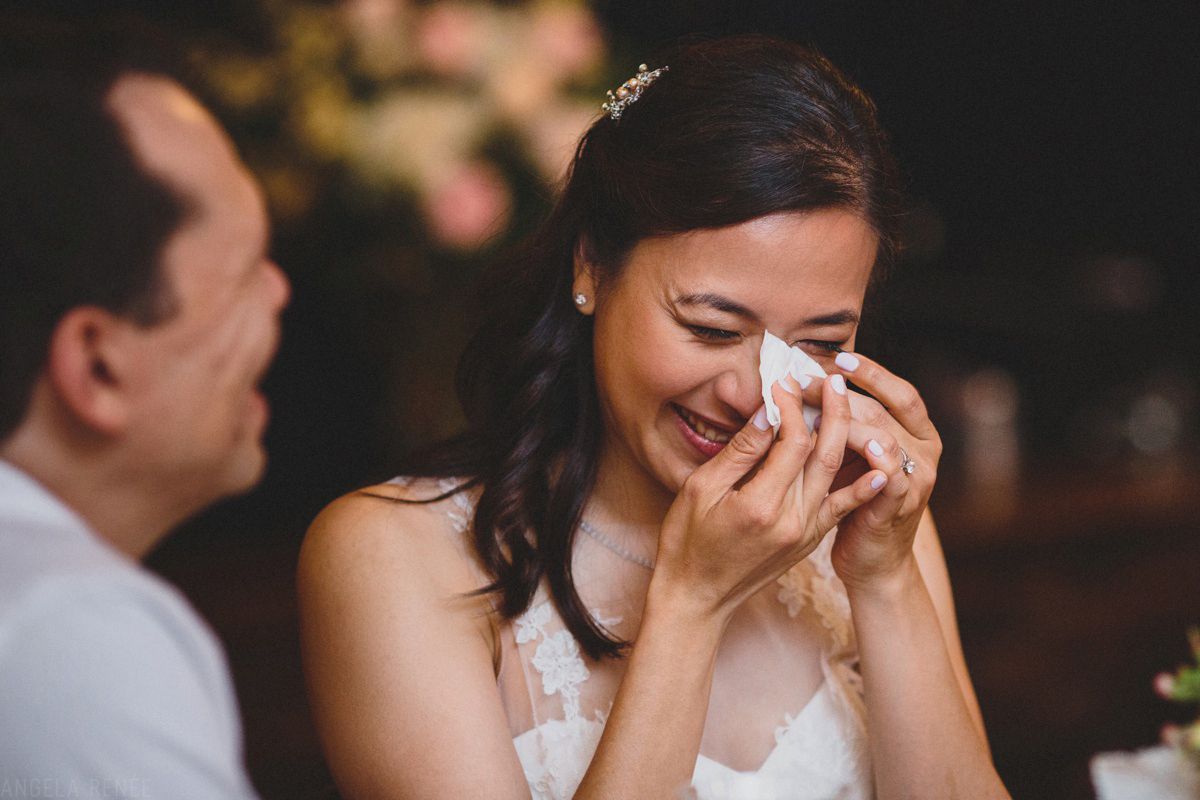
{"type": "Point", "coordinates": [782, 383]}
{"type": "Point", "coordinates": [839, 383]}
{"type": "Point", "coordinates": [875, 447]}
{"type": "Point", "coordinates": [846, 361]}
{"type": "Point", "coordinates": [760, 419]}
{"type": "Point", "coordinates": [877, 481]}
{"type": "Point", "coordinates": [817, 422]}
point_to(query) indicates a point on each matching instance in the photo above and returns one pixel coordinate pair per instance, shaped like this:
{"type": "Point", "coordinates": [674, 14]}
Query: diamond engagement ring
{"type": "Point", "coordinates": [908, 465]}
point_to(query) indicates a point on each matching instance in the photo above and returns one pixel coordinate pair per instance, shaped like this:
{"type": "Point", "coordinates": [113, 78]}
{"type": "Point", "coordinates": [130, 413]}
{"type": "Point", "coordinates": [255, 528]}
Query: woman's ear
{"type": "Point", "coordinates": [584, 287]}
{"type": "Point", "coordinates": [85, 367]}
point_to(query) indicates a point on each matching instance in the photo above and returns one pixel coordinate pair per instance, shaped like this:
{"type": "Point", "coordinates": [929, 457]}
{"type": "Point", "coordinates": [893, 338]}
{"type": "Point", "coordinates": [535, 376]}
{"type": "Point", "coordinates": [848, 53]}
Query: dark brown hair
{"type": "Point", "coordinates": [81, 223]}
{"type": "Point", "coordinates": [736, 129]}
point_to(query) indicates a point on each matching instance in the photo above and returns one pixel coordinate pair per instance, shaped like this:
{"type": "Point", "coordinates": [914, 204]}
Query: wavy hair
{"type": "Point", "coordinates": [736, 129]}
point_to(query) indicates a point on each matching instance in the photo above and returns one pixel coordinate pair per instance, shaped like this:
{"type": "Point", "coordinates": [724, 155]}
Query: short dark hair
{"type": "Point", "coordinates": [81, 223]}
{"type": "Point", "coordinates": [737, 129]}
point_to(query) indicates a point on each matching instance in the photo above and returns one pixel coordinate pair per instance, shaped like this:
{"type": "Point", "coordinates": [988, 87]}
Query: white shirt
{"type": "Point", "coordinates": [110, 684]}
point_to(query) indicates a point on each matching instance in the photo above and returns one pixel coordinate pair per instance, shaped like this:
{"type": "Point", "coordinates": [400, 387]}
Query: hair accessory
{"type": "Point", "coordinates": [580, 299]}
{"type": "Point", "coordinates": [630, 90]}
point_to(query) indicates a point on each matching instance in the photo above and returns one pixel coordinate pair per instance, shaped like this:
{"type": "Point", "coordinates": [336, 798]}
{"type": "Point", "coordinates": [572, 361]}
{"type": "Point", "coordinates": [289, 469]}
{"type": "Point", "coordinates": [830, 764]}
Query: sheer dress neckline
{"type": "Point", "coordinates": [786, 718]}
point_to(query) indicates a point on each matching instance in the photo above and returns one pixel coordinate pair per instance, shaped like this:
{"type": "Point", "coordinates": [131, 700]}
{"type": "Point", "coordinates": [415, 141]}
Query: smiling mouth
{"type": "Point", "coordinates": [699, 426]}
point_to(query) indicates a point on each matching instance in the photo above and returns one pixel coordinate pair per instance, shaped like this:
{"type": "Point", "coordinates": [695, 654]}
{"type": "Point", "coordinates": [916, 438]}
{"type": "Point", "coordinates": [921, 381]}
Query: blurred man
{"type": "Point", "coordinates": [138, 313]}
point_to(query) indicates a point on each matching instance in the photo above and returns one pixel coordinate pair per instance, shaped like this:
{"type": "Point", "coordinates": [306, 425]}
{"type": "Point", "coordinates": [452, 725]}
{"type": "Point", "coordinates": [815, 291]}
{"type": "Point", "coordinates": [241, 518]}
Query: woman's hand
{"type": "Point", "coordinates": [874, 541]}
{"type": "Point", "coordinates": [760, 505]}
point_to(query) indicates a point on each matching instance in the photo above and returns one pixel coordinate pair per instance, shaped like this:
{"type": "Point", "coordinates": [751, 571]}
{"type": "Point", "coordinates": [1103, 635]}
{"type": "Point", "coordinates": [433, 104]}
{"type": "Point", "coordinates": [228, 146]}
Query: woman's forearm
{"type": "Point", "coordinates": [652, 736]}
{"type": "Point", "coordinates": [924, 743]}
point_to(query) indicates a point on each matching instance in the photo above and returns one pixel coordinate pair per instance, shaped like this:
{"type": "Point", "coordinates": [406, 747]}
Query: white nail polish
{"type": "Point", "coordinates": [839, 383]}
{"type": "Point", "coordinates": [846, 361]}
{"type": "Point", "coordinates": [878, 481]}
{"type": "Point", "coordinates": [875, 447]}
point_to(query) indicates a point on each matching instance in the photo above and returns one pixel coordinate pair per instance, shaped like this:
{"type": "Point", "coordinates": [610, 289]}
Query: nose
{"type": "Point", "coordinates": [281, 287]}
{"type": "Point", "coordinates": [738, 387]}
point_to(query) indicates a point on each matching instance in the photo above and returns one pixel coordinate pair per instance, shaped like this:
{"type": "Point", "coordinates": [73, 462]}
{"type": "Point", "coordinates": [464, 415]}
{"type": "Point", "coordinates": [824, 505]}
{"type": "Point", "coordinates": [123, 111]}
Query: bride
{"type": "Point", "coordinates": [621, 581]}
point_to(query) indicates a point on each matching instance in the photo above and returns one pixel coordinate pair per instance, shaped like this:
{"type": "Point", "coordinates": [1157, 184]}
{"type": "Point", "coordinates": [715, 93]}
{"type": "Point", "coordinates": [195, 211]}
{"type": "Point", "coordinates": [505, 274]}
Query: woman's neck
{"type": "Point", "coordinates": [627, 500]}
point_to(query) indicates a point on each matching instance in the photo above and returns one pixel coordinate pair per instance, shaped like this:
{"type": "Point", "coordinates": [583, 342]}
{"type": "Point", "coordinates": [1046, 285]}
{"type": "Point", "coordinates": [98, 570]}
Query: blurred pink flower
{"type": "Point", "coordinates": [566, 39]}
{"type": "Point", "coordinates": [1164, 685]}
{"type": "Point", "coordinates": [380, 32]}
{"type": "Point", "coordinates": [470, 207]}
{"type": "Point", "coordinates": [448, 39]}
{"type": "Point", "coordinates": [1171, 735]}
{"type": "Point", "coordinates": [364, 17]}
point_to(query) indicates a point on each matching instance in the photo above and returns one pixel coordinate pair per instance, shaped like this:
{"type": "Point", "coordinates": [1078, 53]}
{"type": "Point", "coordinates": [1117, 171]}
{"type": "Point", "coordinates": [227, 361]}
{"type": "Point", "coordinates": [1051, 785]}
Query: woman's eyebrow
{"type": "Point", "coordinates": [722, 303]}
{"type": "Point", "coordinates": [844, 317]}
{"type": "Point", "coordinates": [719, 303]}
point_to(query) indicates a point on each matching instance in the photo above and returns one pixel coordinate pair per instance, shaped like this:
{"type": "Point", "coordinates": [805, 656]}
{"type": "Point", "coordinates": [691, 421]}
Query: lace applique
{"type": "Point", "coordinates": [564, 746]}
{"type": "Point", "coordinates": [460, 515]}
{"type": "Point", "coordinates": [826, 766]}
{"type": "Point", "coordinates": [557, 658]}
{"type": "Point", "coordinates": [562, 668]}
{"type": "Point", "coordinates": [532, 622]}
{"type": "Point", "coordinates": [793, 590]}
{"type": "Point", "coordinates": [821, 752]}
{"type": "Point", "coordinates": [788, 721]}
{"type": "Point", "coordinates": [608, 623]}
{"type": "Point", "coordinates": [814, 581]}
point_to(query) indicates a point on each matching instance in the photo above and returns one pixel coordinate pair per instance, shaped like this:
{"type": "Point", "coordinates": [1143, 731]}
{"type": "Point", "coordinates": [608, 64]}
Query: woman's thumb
{"type": "Point", "coordinates": [747, 447]}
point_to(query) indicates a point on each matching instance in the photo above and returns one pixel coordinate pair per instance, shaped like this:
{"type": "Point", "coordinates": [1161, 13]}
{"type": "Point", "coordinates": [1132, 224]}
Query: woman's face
{"type": "Point", "coordinates": [677, 333]}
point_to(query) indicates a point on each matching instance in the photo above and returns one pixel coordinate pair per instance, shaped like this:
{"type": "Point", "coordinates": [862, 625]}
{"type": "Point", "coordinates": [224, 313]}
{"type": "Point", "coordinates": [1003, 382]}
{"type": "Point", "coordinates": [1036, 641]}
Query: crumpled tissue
{"type": "Point", "coordinates": [775, 360]}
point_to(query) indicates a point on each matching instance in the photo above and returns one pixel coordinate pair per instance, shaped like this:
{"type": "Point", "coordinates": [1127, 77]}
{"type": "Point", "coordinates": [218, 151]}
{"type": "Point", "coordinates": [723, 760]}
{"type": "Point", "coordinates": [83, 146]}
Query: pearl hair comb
{"type": "Point", "coordinates": [628, 92]}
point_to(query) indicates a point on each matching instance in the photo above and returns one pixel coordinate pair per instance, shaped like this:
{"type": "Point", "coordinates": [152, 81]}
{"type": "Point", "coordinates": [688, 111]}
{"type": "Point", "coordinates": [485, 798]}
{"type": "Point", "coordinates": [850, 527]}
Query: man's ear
{"type": "Point", "coordinates": [584, 287]}
{"type": "Point", "coordinates": [87, 367]}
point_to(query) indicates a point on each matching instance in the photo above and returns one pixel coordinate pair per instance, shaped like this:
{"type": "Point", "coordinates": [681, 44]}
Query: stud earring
{"type": "Point", "coordinates": [580, 299]}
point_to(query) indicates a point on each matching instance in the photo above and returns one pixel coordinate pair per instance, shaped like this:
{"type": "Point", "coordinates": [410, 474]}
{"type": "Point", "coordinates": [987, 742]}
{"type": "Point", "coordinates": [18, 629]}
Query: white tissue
{"type": "Point", "coordinates": [776, 360]}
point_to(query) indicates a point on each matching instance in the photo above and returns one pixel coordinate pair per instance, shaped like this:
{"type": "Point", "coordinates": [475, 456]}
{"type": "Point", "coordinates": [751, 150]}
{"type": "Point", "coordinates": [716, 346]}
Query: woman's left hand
{"type": "Point", "coordinates": [875, 541]}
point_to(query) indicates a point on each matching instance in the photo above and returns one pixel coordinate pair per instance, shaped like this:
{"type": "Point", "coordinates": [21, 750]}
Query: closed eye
{"type": "Point", "coordinates": [713, 334]}
{"type": "Point", "coordinates": [828, 347]}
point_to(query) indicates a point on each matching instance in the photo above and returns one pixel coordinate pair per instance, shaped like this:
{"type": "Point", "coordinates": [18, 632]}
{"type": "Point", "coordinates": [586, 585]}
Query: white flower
{"type": "Point", "coordinates": [606, 622]}
{"type": "Point", "coordinates": [558, 659]}
{"type": "Point", "coordinates": [532, 622]}
{"type": "Point", "coordinates": [793, 589]}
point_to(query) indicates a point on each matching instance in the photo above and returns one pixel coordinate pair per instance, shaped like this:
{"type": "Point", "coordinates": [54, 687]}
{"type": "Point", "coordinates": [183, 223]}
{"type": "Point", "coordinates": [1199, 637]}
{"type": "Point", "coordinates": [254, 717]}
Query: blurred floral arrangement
{"type": "Point", "coordinates": [1183, 686]}
{"type": "Point", "coordinates": [409, 97]}
{"type": "Point", "coordinates": [401, 144]}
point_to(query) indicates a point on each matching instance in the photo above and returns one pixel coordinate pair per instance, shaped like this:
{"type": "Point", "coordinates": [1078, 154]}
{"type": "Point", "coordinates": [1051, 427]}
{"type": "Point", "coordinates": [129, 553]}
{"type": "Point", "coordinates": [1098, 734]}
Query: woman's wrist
{"type": "Point", "coordinates": [682, 608]}
{"type": "Point", "coordinates": [893, 586]}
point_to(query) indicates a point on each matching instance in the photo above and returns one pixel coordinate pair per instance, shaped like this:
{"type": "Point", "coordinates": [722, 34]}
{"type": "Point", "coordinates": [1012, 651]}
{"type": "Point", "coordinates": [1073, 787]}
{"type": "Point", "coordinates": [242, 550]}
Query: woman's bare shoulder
{"type": "Point", "coordinates": [400, 531]}
{"type": "Point", "coordinates": [400, 652]}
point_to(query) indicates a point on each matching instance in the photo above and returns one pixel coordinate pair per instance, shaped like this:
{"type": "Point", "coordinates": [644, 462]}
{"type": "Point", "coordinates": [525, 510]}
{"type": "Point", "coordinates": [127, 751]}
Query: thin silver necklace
{"type": "Point", "coordinates": [616, 548]}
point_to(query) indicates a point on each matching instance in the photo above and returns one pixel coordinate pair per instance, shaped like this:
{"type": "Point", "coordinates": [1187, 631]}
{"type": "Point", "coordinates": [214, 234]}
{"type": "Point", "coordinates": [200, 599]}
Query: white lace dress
{"type": "Point", "coordinates": [785, 721]}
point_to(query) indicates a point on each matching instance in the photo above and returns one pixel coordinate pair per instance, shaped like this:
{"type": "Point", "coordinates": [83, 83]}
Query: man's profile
{"type": "Point", "coordinates": [139, 311]}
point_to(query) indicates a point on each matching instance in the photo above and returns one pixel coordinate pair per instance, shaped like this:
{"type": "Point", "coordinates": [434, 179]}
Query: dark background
{"type": "Point", "coordinates": [1049, 150]}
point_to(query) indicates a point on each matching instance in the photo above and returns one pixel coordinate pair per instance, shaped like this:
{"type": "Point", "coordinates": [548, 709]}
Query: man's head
{"type": "Point", "coordinates": [138, 307]}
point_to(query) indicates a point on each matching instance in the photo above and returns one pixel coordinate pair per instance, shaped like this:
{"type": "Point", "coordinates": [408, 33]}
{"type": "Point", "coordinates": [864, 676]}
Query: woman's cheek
{"type": "Point", "coordinates": [668, 369]}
